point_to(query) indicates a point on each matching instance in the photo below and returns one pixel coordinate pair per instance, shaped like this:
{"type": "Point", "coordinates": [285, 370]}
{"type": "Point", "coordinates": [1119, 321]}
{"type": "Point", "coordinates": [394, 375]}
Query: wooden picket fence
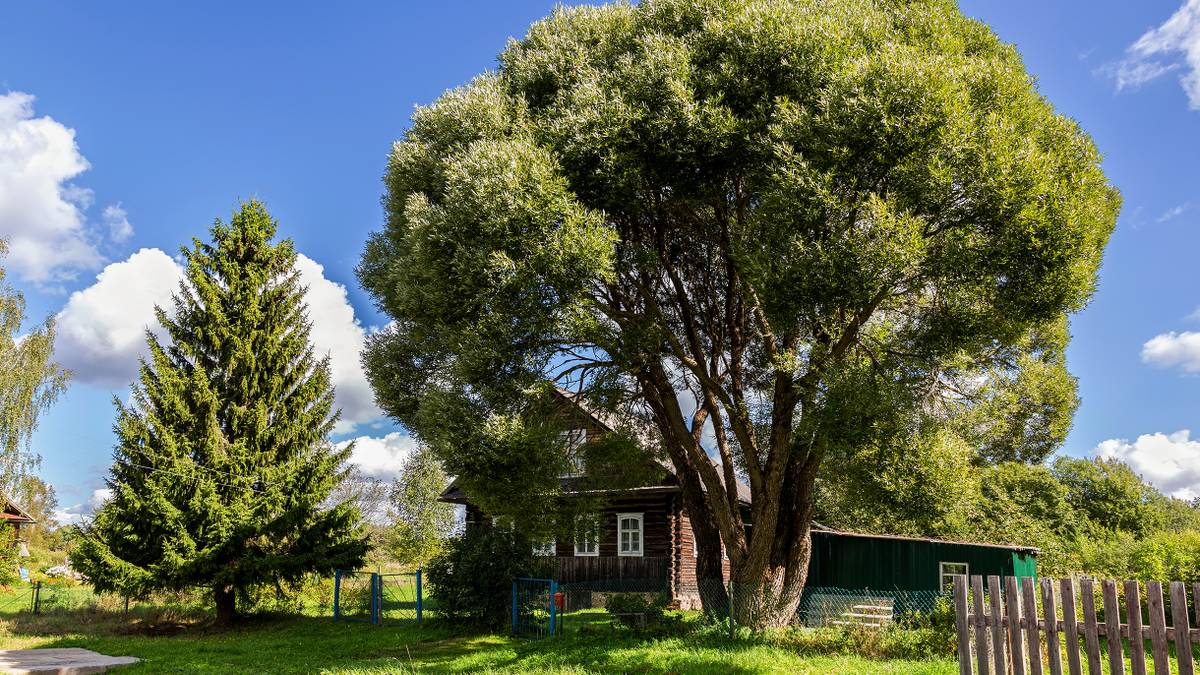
{"type": "Point", "coordinates": [1000, 631]}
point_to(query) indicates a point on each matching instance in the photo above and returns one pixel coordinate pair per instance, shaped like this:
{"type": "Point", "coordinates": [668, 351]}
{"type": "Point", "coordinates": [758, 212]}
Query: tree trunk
{"type": "Point", "coordinates": [226, 601]}
{"type": "Point", "coordinates": [770, 597]}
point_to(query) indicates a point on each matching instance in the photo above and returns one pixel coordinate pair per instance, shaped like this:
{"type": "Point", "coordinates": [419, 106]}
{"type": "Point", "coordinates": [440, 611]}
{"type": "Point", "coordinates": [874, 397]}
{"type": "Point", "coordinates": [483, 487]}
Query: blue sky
{"type": "Point", "coordinates": [177, 112]}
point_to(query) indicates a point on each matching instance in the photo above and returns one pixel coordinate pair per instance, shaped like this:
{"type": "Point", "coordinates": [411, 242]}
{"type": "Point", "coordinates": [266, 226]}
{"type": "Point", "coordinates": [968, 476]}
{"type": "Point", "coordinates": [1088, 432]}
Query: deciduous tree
{"type": "Point", "coordinates": [793, 213]}
{"type": "Point", "coordinates": [30, 381]}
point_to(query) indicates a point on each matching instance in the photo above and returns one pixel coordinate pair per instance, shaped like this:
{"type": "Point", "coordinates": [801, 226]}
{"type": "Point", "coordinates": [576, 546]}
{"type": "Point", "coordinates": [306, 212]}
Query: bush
{"type": "Point", "coordinates": [471, 579]}
{"type": "Point", "coordinates": [638, 609]}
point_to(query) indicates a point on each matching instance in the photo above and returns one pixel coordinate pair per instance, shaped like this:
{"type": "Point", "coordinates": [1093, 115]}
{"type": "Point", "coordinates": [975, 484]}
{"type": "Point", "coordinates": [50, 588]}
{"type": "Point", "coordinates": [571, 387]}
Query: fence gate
{"type": "Point", "coordinates": [1000, 629]}
{"type": "Point", "coordinates": [400, 597]}
{"type": "Point", "coordinates": [534, 613]}
{"type": "Point", "coordinates": [355, 596]}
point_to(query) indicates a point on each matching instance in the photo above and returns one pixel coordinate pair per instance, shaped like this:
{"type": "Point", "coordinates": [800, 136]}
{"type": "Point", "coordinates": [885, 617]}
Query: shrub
{"type": "Point", "coordinates": [471, 579]}
{"type": "Point", "coordinates": [628, 607]}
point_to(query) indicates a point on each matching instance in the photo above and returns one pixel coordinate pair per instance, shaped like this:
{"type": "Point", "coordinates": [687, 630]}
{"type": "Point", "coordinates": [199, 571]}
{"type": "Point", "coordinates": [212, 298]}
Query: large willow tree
{"type": "Point", "coordinates": [809, 218]}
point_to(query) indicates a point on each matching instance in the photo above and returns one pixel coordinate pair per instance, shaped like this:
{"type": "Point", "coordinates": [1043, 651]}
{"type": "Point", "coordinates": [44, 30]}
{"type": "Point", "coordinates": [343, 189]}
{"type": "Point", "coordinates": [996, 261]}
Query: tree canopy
{"type": "Point", "coordinates": [810, 219]}
{"type": "Point", "coordinates": [223, 463]}
{"type": "Point", "coordinates": [30, 381]}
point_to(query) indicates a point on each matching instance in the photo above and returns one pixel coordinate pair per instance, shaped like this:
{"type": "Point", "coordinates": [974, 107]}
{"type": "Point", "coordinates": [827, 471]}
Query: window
{"type": "Point", "coordinates": [629, 534]}
{"type": "Point", "coordinates": [545, 548]}
{"type": "Point", "coordinates": [948, 570]}
{"type": "Point", "coordinates": [586, 544]}
{"type": "Point", "coordinates": [574, 440]}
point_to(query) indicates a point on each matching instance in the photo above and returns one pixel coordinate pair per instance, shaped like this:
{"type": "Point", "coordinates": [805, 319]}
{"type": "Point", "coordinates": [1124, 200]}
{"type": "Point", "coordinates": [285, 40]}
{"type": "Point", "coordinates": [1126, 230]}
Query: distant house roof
{"type": "Point", "coordinates": [15, 514]}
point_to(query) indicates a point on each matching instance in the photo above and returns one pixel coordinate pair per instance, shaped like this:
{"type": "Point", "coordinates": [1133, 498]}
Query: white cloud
{"type": "Point", "coordinates": [1170, 463]}
{"type": "Point", "coordinates": [338, 333]}
{"type": "Point", "coordinates": [101, 331]}
{"type": "Point", "coordinates": [381, 457]}
{"type": "Point", "coordinates": [1170, 350]}
{"type": "Point", "coordinates": [74, 515]}
{"type": "Point", "coordinates": [1173, 213]}
{"type": "Point", "coordinates": [117, 220]}
{"type": "Point", "coordinates": [41, 213]}
{"type": "Point", "coordinates": [1159, 50]}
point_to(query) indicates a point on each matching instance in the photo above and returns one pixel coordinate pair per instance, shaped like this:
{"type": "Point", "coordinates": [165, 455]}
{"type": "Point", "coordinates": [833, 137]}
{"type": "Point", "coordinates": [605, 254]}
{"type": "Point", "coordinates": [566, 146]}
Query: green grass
{"type": "Point", "coordinates": [308, 644]}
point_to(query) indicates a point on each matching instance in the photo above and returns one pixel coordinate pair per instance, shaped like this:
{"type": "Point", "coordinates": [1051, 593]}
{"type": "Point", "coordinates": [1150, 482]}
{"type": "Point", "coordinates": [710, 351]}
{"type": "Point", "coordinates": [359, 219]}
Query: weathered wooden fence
{"type": "Point", "coordinates": [1000, 629]}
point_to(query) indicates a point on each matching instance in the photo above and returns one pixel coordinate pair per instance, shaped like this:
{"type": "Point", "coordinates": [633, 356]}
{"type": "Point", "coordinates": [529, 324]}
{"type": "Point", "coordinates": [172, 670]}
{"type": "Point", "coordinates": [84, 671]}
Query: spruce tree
{"type": "Point", "coordinates": [223, 462]}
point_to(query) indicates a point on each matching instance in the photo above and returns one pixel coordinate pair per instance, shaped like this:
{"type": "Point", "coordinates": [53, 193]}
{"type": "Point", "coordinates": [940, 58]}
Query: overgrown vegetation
{"type": "Point", "coordinates": [471, 579]}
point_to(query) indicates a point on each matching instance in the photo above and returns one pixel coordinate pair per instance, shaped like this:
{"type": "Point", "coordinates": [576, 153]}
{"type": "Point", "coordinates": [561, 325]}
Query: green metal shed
{"type": "Point", "coordinates": [885, 562]}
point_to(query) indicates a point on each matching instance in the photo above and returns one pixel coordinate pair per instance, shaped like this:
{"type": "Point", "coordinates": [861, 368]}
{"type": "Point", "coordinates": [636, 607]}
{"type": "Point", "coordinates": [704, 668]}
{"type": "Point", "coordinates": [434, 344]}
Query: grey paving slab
{"type": "Point", "coordinates": [66, 661]}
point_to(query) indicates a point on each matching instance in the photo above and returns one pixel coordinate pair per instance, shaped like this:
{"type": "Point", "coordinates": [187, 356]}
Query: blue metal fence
{"type": "Point", "coordinates": [534, 607]}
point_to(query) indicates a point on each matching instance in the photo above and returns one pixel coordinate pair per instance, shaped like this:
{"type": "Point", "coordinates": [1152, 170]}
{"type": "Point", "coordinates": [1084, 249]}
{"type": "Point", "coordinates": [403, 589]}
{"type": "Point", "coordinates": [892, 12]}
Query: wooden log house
{"type": "Point", "coordinates": [646, 543]}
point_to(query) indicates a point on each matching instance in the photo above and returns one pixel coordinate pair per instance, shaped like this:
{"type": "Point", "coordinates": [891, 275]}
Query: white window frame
{"type": "Point", "coordinates": [574, 440]}
{"type": "Point", "coordinates": [584, 542]}
{"type": "Point", "coordinates": [641, 531]}
{"type": "Point", "coordinates": [943, 574]}
{"type": "Point", "coordinates": [546, 548]}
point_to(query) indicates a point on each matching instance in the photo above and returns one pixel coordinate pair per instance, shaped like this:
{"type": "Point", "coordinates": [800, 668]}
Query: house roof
{"type": "Point", "coordinates": [608, 422]}
{"type": "Point", "coordinates": [14, 513]}
{"type": "Point", "coordinates": [817, 527]}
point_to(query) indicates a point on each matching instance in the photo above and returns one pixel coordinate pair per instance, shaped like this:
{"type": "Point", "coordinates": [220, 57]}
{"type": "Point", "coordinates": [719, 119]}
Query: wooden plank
{"type": "Point", "coordinates": [1033, 640]}
{"type": "Point", "coordinates": [960, 625]}
{"type": "Point", "coordinates": [1050, 611]}
{"type": "Point", "coordinates": [1091, 635]}
{"type": "Point", "coordinates": [982, 657]}
{"type": "Point", "coordinates": [1133, 617]}
{"type": "Point", "coordinates": [1071, 627]}
{"type": "Point", "coordinates": [1158, 628]}
{"type": "Point", "coordinates": [999, 649]}
{"type": "Point", "coordinates": [1112, 634]}
{"type": "Point", "coordinates": [1179, 621]}
{"type": "Point", "coordinates": [1016, 648]}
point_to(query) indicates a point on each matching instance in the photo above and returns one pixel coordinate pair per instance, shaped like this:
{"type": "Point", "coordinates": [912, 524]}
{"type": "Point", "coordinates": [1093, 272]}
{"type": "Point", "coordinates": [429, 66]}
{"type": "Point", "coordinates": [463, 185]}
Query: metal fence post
{"type": "Point", "coordinates": [37, 597]}
{"type": "Point", "coordinates": [337, 591]}
{"type": "Point", "coordinates": [553, 605]}
{"type": "Point", "coordinates": [514, 608]}
{"type": "Point", "coordinates": [731, 635]}
{"type": "Point", "coordinates": [374, 598]}
{"type": "Point", "coordinates": [418, 595]}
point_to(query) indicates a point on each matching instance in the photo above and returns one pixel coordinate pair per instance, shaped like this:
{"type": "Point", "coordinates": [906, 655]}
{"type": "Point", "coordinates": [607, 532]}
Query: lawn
{"type": "Point", "coordinates": [171, 644]}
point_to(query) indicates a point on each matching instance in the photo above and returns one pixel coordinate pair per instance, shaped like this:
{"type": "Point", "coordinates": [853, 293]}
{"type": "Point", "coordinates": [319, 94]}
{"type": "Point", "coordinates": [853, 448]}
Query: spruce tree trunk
{"type": "Point", "coordinates": [226, 601]}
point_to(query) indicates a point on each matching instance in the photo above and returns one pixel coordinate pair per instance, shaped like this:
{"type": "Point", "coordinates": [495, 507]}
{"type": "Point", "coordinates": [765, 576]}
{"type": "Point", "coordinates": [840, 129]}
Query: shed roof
{"type": "Point", "coordinates": [929, 540]}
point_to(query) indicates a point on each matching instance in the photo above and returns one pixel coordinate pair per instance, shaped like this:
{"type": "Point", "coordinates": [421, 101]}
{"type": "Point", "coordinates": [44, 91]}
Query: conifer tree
{"type": "Point", "coordinates": [222, 462]}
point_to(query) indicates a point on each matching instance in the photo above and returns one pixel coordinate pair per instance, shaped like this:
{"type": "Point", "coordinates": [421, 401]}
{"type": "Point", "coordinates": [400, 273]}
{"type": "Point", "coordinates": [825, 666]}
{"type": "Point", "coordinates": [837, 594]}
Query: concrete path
{"type": "Point", "coordinates": [70, 661]}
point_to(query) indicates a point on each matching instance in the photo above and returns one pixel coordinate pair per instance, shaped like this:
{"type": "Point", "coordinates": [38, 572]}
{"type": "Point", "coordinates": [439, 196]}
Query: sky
{"type": "Point", "coordinates": [127, 128]}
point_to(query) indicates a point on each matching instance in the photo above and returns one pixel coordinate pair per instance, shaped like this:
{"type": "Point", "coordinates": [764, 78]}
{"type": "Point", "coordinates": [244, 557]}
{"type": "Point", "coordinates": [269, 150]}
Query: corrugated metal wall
{"type": "Point", "coordinates": [848, 561]}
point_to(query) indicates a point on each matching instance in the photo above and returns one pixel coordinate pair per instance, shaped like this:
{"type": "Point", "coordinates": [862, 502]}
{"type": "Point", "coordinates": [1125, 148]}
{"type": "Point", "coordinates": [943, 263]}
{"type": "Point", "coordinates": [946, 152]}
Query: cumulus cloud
{"type": "Point", "coordinates": [1173, 45]}
{"type": "Point", "coordinates": [1169, 462]}
{"type": "Point", "coordinates": [78, 513]}
{"type": "Point", "coordinates": [117, 220]}
{"type": "Point", "coordinates": [41, 212]}
{"type": "Point", "coordinates": [101, 330]}
{"type": "Point", "coordinates": [336, 332]}
{"type": "Point", "coordinates": [381, 457]}
{"type": "Point", "coordinates": [1174, 350]}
